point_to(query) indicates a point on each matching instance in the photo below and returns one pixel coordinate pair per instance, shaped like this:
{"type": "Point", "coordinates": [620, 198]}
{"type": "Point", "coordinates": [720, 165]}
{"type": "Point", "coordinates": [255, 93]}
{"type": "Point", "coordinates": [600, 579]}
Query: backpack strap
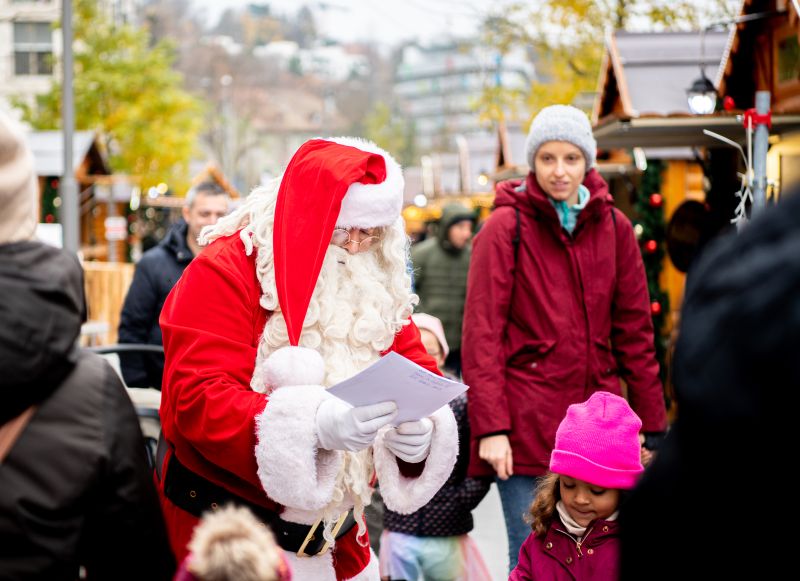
{"type": "Point", "coordinates": [518, 230]}
{"type": "Point", "coordinates": [616, 244]}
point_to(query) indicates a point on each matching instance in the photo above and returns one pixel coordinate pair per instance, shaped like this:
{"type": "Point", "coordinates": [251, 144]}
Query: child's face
{"type": "Point", "coordinates": [586, 502]}
{"type": "Point", "coordinates": [431, 344]}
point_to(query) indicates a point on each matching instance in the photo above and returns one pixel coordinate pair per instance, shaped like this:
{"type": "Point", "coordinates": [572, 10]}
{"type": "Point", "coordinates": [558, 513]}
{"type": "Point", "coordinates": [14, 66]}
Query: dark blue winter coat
{"type": "Point", "coordinates": [156, 274]}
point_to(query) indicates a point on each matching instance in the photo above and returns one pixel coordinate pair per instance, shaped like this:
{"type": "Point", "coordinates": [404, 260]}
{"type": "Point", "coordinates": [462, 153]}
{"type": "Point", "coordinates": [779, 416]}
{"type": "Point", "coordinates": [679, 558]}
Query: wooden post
{"type": "Point", "coordinates": [106, 286]}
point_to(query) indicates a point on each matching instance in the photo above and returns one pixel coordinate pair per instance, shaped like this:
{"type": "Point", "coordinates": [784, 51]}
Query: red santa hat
{"type": "Point", "coordinates": [345, 182]}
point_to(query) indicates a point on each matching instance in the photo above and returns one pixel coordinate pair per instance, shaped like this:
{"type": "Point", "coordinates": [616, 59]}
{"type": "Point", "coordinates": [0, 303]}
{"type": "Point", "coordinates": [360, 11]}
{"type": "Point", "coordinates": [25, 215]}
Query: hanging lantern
{"type": "Point", "coordinates": [656, 200]}
{"type": "Point", "coordinates": [702, 96]}
{"type": "Point", "coordinates": [655, 308]}
{"type": "Point", "coordinates": [651, 246]}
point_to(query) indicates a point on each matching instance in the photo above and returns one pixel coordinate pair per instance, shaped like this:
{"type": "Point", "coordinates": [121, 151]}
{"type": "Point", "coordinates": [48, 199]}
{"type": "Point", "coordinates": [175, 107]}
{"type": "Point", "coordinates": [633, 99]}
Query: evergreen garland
{"type": "Point", "coordinates": [50, 202]}
{"type": "Point", "coordinates": [651, 231]}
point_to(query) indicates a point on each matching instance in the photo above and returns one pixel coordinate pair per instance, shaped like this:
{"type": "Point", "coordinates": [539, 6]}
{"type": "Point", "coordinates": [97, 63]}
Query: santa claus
{"type": "Point", "coordinates": [305, 285]}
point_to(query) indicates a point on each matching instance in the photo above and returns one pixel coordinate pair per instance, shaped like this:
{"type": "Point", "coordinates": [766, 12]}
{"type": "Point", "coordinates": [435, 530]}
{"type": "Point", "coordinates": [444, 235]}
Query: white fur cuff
{"type": "Point", "coordinates": [406, 495]}
{"type": "Point", "coordinates": [320, 568]}
{"type": "Point", "coordinates": [293, 470]}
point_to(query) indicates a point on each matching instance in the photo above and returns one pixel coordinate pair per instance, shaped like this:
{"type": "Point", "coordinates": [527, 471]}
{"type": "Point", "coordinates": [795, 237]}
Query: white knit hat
{"type": "Point", "coordinates": [561, 123]}
{"type": "Point", "coordinates": [18, 189]}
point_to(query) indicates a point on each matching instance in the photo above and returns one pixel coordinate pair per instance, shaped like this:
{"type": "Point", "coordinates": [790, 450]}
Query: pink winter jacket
{"type": "Point", "coordinates": [557, 556]}
{"type": "Point", "coordinates": [565, 317]}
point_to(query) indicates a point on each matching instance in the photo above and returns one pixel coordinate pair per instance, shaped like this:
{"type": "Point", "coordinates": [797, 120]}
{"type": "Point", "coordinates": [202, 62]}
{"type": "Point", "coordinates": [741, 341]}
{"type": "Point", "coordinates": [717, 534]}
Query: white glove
{"type": "Point", "coordinates": [343, 427]}
{"type": "Point", "coordinates": [411, 441]}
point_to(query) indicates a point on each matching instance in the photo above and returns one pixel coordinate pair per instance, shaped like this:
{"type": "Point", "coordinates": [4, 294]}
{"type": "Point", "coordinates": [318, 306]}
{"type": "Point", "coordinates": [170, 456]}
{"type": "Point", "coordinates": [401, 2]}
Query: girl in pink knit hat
{"type": "Point", "coordinates": [596, 458]}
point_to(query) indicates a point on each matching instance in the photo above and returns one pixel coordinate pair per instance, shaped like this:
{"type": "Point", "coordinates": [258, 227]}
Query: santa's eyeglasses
{"type": "Point", "coordinates": [342, 238]}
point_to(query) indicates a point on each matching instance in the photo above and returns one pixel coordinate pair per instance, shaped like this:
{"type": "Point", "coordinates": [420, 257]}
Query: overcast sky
{"type": "Point", "coordinates": [383, 21]}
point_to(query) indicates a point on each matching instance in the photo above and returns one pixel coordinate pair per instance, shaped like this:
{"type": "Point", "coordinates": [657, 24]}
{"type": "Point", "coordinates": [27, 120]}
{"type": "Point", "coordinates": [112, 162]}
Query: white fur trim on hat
{"type": "Point", "coordinates": [372, 205]}
{"type": "Point", "coordinates": [293, 470]}
{"type": "Point", "coordinates": [561, 123]}
{"type": "Point", "coordinates": [406, 495]}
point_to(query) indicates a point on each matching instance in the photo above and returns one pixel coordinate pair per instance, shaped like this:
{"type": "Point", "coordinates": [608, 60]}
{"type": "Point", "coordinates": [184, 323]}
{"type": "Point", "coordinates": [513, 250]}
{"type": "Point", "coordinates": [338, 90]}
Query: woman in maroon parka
{"type": "Point", "coordinates": [557, 309]}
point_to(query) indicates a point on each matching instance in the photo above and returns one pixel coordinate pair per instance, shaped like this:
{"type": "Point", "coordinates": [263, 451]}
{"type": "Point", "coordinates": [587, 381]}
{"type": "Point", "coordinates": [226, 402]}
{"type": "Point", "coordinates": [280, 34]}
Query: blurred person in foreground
{"type": "Point", "coordinates": [76, 489]}
{"type": "Point", "coordinates": [557, 309]}
{"type": "Point", "coordinates": [736, 376]}
{"type": "Point", "coordinates": [230, 544]}
{"type": "Point", "coordinates": [156, 273]}
{"type": "Point", "coordinates": [302, 287]}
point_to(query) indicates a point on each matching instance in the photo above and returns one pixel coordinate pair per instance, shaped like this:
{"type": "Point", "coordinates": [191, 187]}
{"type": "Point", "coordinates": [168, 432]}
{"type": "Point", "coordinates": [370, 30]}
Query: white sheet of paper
{"type": "Point", "coordinates": [416, 391]}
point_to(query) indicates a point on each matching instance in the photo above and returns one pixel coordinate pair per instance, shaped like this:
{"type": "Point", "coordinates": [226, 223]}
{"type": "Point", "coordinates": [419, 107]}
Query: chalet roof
{"type": "Point", "coordinates": [212, 173]}
{"type": "Point", "coordinates": [648, 73]}
{"type": "Point", "coordinates": [745, 58]}
{"type": "Point", "coordinates": [48, 152]}
{"type": "Point", "coordinates": [659, 131]}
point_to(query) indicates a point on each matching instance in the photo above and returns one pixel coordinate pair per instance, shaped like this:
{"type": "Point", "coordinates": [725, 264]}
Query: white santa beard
{"type": "Point", "coordinates": [351, 319]}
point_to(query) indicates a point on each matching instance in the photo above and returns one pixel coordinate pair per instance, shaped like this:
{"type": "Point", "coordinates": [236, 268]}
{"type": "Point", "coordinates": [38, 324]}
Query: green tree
{"type": "Point", "coordinates": [566, 41]}
{"type": "Point", "coordinates": [390, 133]}
{"type": "Point", "coordinates": [127, 91]}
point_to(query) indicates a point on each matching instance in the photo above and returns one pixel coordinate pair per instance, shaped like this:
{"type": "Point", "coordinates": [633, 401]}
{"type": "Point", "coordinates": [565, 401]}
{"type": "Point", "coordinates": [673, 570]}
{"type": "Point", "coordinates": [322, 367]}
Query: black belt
{"type": "Point", "coordinates": [196, 495]}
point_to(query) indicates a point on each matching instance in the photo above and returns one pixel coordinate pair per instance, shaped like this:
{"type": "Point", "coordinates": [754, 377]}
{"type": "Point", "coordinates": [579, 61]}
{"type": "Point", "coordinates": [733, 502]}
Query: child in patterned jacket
{"type": "Point", "coordinates": [432, 543]}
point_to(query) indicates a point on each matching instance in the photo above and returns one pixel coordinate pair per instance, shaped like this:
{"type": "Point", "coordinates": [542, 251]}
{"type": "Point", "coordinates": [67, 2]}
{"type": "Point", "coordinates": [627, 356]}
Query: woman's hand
{"type": "Point", "coordinates": [496, 450]}
{"type": "Point", "coordinates": [646, 456]}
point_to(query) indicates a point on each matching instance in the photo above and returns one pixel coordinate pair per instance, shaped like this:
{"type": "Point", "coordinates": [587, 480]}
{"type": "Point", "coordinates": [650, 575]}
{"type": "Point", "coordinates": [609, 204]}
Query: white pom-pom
{"type": "Point", "coordinates": [294, 366]}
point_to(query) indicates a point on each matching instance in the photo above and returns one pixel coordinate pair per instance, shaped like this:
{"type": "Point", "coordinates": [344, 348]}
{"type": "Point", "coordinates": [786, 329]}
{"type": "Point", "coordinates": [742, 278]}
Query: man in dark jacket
{"type": "Point", "coordinates": [76, 489]}
{"type": "Point", "coordinates": [736, 382]}
{"type": "Point", "coordinates": [156, 274]}
{"type": "Point", "coordinates": [440, 275]}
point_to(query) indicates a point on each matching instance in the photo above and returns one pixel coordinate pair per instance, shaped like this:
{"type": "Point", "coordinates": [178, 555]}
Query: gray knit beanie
{"type": "Point", "coordinates": [561, 123]}
{"type": "Point", "coordinates": [19, 192]}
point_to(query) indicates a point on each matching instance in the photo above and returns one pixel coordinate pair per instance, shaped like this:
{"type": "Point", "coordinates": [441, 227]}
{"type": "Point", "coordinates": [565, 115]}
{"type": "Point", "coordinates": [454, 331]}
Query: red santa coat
{"type": "Point", "coordinates": [212, 322]}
